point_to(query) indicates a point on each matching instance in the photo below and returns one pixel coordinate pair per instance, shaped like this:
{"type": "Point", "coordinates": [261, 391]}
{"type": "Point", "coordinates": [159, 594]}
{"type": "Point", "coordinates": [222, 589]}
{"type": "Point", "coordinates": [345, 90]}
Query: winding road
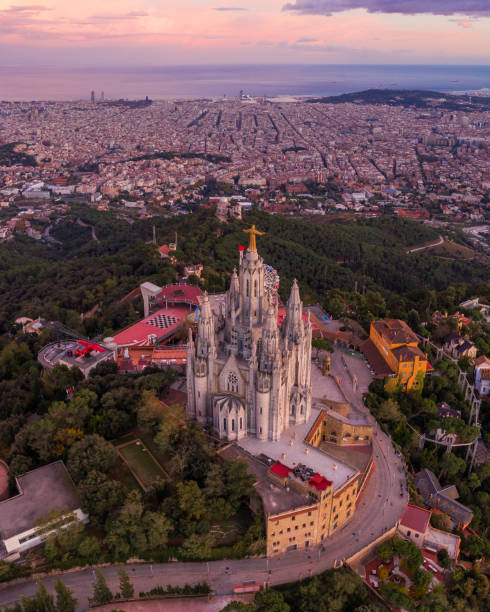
{"type": "Point", "coordinates": [380, 507]}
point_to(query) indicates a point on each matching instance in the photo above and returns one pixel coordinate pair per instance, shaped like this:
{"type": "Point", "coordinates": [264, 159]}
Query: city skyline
{"type": "Point", "coordinates": [157, 32]}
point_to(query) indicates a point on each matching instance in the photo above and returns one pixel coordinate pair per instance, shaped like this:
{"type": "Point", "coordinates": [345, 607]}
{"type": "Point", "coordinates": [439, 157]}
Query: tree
{"type": "Point", "coordinates": [102, 594]}
{"type": "Point", "coordinates": [136, 532]}
{"type": "Point", "coordinates": [239, 482]}
{"type": "Point", "coordinates": [385, 551]}
{"type": "Point", "coordinates": [443, 558]}
{"type": "Point", "coordinates": [320, 344]}
{"type": "Point", "coordinates": [91, 453]}
{"type": "Point", "coordinates": [451, 465]}
{"type": "Point", "coordinates": [151, 412]}
{"type": "Point", "coordinates": [168, 432]}
{"type": "Point", "coordinates": [191, 499]}
{"type": "Point", "coordinates": [90, 549]}
{"type": "Point", "coordinates": [473, 481]}
{"type": "Point", "coordinates": [390, 411]}
{"type": "Point", "coordinates": [421, 581]}
{"type": "Point", "coordinates": [413, 319]}
{"type": "Point", "coordinates": [65, 602]}
{"type": "Point", "coordinates": [43, 600]}
{"type": "Point", "coordinates": [197, 547]}
{"type": "Point", "coordinates": [125, 586]}
{"type": "Point", "coordinates": [440, 520]}
{"type": "Point", "coordinates": [270, 601]}
{"type": "Point", "coordinates": [99, 496]}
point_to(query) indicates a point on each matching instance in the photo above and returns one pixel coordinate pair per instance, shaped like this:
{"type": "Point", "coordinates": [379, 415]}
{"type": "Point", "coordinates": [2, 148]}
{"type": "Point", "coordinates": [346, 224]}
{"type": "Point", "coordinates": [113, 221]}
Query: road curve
{"type": "Point", "coordinates": [380, 507]}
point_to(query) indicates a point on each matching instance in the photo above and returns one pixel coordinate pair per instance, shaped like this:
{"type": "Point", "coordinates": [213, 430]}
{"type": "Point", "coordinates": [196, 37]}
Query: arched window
{"type": "Point", "coordinates": [241, 423]}
{"type": "Point", "coordinates": [232, 424]}
{"type": "Point", "coordinates": [232, 382]}
{"type": "Point", "coordinates": [224, 423]}
{"type": "Point", "coordinates": [255, 288]}
{"type": "Point", "coordinates": [248, 287]}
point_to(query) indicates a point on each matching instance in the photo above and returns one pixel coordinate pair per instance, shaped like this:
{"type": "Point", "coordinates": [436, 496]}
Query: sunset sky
{"type": "Point", "coordinates": [156, 32]}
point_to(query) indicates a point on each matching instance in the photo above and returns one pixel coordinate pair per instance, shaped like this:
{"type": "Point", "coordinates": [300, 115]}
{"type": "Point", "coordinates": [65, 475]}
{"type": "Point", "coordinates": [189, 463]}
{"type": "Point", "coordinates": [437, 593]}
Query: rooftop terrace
{"type": "Point", "coordinates": [291, 450]}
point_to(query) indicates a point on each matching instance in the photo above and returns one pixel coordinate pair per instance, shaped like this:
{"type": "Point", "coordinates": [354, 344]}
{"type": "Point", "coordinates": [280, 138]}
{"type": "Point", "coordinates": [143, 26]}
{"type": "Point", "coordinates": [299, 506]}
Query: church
{"type": "Point", "coordinates": [248, 375]}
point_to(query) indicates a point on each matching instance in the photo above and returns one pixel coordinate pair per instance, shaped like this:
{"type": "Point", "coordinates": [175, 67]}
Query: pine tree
{"type": "Point", "coordinates": [125, 586]}
{"type": "Point", "coordinates": [44, 601]}
{"type": "Point", "coordinates": [65, 602]}
{"type": "Point", "coordinates": [102, 594]}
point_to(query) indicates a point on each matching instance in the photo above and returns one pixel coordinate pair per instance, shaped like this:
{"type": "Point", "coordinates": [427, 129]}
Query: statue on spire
{"type": "Point", "coordinates": [253, 233]}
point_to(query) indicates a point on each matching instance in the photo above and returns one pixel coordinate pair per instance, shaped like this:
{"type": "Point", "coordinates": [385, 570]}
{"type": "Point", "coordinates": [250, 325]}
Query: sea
{"type": "Point", "coordinates": [171, 82]}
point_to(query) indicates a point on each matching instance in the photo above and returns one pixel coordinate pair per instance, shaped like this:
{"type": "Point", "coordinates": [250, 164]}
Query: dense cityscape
{"type": "Point", "coordinates": [417, 162]}
{"type": "Point", "coordinates": [245, 306]}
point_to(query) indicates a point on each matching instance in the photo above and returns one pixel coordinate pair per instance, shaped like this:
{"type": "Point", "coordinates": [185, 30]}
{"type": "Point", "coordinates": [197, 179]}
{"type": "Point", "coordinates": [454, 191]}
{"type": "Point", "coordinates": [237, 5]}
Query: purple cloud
{"type": "Point", "coordinates": [116, 17]}
{"type": "Point", "coordinates": [406, 7]}
{"type": "Point", "coordinates": [230, 9]}
{"type": "Point", "coordinates": [29, 8]}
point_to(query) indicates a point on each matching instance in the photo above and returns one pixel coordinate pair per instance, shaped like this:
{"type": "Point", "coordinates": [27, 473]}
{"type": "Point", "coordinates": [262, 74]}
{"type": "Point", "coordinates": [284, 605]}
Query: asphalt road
{"type": "Point", "coordinates": [380, 507]}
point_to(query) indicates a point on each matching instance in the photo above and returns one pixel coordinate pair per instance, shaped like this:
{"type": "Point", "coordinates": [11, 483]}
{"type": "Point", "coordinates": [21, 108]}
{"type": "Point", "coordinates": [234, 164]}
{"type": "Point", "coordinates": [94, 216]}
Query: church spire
{"type": "Point", "coordinates": [205, 328]}
{"type": "Point", "coordinates": [294, 316]}
{"type": "Point", "coordinates": [234, 283]}
{"type": "Point", "coordinates": [271, 320]}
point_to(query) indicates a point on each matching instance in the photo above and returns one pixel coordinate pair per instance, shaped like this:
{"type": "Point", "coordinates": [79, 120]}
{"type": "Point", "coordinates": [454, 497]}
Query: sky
{"type": "Point", "coordinates": [161, 32]}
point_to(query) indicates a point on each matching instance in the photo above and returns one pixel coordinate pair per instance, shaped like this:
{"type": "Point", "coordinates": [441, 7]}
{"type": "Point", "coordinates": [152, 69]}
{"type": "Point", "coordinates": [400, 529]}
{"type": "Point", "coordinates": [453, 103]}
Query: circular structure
{"type": "Point", "coordinates": [271, 282]}
{"type": "Point", "coordinates": [4, 480]}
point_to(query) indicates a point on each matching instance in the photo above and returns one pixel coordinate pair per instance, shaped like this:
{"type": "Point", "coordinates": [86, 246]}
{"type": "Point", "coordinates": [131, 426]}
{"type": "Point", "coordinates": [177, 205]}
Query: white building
{"type": "Point", "coordinates": [482, 375]}
{"type": "Point", "coordinates": [245, 374]}
{"type": "Point", "coordinates": [45, 489]}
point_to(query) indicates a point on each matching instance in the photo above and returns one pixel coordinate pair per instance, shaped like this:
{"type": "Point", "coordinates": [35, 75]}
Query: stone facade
{"type": "Point", "coordinates": [246, 375]}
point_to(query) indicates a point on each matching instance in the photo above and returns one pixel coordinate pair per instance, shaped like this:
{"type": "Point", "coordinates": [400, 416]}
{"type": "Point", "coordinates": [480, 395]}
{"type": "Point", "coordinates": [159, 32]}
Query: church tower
{"type": "Point", "coordinates": [251, 377]}
{"type": "Point", "coordinates": [200, 363]}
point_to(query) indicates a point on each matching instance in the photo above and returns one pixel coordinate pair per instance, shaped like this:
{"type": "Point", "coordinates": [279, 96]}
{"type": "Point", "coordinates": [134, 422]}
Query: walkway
{"type": "Point", "coordinates": [426, 246]}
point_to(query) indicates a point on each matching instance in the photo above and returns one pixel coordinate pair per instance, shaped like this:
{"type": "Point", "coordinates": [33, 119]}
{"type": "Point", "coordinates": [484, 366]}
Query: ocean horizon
{"type": "Point", "coordinates": [215, 81]}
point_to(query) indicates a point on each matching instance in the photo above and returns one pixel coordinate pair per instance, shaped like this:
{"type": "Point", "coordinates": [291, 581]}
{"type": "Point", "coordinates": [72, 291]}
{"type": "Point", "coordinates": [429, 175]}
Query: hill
{"type": "Point", "coordinates": [407, 97]}
{"type": "Point", "coordinates": [64, 280]}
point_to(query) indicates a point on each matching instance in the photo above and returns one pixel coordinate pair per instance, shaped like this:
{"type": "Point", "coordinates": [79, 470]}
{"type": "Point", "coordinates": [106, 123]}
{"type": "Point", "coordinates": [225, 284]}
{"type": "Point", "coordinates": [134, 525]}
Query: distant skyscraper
{"type": "Point", "coordinates": [92, 96]}
{"type": "Point", "coordinates": [102, 97]}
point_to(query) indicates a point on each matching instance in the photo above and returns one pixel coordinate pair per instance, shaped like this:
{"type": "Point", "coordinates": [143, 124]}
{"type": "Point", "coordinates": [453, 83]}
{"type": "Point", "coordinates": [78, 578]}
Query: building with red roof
{"type": "Point", "coordinates": [157, 327]}
{"type": "Point", "coordinates": [415, 525]}
{"type": "Point", "coordinates": [414, 522]}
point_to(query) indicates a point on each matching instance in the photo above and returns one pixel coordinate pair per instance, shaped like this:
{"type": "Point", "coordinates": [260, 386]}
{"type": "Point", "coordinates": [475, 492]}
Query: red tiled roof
{"type": "Point", "coordinates": [280, 469]}
{"type": "Point", "coordinates": [319, 482]}
{"type": "Point", "coordinates": [416, 518]}
{"type": "Point", "coordinates": [180, 293]}
{"type": "Point", "coordinates": [376, 360]}
{"type": "Point", "coordinates": [164, 249]}
{"type": "Point", "coordinates": [161, 324]}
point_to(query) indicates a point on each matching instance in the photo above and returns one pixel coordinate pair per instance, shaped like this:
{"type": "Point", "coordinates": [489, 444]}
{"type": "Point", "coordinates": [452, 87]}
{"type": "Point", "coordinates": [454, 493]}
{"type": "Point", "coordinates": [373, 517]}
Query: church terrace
{"type": "Point", "coordinates": [291, 450]}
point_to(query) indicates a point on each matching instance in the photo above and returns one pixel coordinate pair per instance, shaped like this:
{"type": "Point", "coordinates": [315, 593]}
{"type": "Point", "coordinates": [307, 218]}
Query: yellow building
{"type": "Point", "coordinates": [310, 487]}
{"type": "Point", "coordinates": [310, 524]}
{"type": "Point", "coordinates": [337, 425]}
{"type": "Point", "coordinates": [392, 350]}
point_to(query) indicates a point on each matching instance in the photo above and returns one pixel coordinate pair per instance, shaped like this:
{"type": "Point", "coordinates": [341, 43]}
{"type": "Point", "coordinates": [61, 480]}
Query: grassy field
{"type": "Point", "coordinates": [141, 462]}
{"type": "Point", "coordinates": [452, 250]}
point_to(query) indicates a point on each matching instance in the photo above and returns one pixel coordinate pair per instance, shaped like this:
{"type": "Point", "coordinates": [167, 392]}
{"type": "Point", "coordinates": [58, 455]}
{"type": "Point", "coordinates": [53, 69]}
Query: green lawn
{"type": "Point", "coordinates": [142, 463]}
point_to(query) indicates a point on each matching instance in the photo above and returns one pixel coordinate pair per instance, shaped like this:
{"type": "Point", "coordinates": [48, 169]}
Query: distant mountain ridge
{"type": "Point", "coordinates": [408, 97]}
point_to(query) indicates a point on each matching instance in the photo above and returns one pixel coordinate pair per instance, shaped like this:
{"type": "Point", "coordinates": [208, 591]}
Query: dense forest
{"type": "Point", "coordinates": [332, 262]}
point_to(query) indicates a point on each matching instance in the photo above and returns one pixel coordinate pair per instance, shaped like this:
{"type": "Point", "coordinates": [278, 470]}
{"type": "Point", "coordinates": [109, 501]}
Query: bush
{"type": "Point", "coordinates": [443, 558]}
